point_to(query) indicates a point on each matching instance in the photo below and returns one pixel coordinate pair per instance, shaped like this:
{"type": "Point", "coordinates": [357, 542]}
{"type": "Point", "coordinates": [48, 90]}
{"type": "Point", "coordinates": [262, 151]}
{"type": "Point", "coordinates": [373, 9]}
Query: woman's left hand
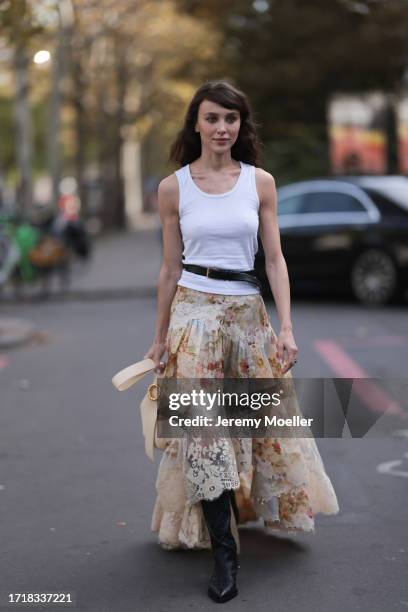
{"type": "Point", "coordinates": [286, 342]}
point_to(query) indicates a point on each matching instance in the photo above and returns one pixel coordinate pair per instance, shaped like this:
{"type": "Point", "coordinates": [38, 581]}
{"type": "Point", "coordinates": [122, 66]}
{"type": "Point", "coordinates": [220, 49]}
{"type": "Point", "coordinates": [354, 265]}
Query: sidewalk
{"type": "Point", "coordinates": [123, 264]}
{"type": "Point", "coordinates": [14, 332]}
{"type": "Point", "coordinates": [126, 263]}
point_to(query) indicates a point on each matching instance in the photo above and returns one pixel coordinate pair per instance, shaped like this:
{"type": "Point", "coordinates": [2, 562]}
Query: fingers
{"type": "Point", "coordinates": [155, 353]}
{"type": "Point", "coordinates": [160, 366]}
{"type": "Point", "coordinates": [292, 356]}
{"type": "Point", "coordinates": [279, 351]}
{"type": "Point", "coordinates": [292, 359]}
{"type": "Point", "coordinates": [289, 365]}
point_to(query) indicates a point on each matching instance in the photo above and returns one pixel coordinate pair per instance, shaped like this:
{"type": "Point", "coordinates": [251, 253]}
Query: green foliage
{"type": "Point", "coordinates": [17, 22]}
{"type": "Point", "coordinates": [131, 69]}
{"type": "Point", "coordinates": [292, 56]}
{"type": "Point", "coordinates": [302, 154]}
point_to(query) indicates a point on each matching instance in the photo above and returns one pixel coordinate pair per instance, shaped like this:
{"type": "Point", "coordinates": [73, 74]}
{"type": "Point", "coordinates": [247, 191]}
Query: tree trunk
{"type": "Point", "coordinates": [23, 130]}
{"type": "Point", "coordinates": [54, 153]}
{"type": "Point", "coordinates": [81, 133]}
{"type": "Point", "coordinates": [122, 82]}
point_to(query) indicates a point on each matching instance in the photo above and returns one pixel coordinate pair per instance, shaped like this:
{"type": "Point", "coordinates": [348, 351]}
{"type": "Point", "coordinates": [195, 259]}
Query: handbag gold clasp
{"type": "Point", "coordinates": [150, 392]}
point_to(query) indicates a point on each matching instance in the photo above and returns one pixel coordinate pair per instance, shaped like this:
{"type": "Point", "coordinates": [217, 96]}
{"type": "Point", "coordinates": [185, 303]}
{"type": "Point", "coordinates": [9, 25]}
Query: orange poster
{"type": "Point", "coordinates": [357, 133]}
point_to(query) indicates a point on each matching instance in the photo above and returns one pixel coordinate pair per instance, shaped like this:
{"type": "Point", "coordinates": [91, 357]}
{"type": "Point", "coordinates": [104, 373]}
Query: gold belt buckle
{"type": "Point", "coordinates": [153, 397]}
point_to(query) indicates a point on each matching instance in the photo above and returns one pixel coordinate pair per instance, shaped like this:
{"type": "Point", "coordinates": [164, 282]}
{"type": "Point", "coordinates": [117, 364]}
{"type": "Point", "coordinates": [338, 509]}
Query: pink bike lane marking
{"type": "Point", "coordinates": [4, 361]}
{"type": "Point", "coordinates": [371, 395]}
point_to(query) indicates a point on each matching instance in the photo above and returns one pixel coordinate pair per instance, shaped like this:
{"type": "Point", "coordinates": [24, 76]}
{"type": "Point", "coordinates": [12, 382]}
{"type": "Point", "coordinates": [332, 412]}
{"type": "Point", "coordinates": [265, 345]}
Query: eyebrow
{"type": "Point", "coordinates": [214, 113]}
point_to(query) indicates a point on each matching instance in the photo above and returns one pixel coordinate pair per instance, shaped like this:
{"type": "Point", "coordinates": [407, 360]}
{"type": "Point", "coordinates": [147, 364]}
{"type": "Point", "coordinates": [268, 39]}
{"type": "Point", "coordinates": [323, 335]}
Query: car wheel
{"type": "Point", "coordinates": [374, 277]}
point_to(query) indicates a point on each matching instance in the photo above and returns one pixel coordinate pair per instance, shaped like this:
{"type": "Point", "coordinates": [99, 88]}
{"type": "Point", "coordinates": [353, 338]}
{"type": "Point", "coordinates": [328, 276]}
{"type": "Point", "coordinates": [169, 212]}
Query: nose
{"type": "Point", "coordinates": [221, 128]}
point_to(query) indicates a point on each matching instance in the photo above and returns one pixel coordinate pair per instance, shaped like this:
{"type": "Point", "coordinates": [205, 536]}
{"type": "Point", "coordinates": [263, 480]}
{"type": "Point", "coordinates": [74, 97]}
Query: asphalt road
{"type": "Point", "coordinates": [77, 491]}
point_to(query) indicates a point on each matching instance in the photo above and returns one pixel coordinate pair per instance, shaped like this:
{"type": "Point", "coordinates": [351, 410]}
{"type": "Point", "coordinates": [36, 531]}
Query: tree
{"type": "Point", "coordinates": [19, 27]}
{"type": "Point", "coordinates": [290, 55]}
{"type": "Point", "coordinates": [134, 67]}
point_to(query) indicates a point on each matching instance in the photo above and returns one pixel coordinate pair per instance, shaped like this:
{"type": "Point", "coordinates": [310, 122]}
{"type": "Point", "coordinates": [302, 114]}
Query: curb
{"type": "Point", "coordinates": [108, 294]}
{"type": "Point", "coordinates": [15, 331]}
{"type": "Point", "coordinates": [90, 295]}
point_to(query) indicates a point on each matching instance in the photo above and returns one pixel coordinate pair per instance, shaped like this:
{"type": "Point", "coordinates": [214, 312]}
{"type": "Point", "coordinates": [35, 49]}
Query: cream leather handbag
{"type": "Point", "coordinates": [148, 406]}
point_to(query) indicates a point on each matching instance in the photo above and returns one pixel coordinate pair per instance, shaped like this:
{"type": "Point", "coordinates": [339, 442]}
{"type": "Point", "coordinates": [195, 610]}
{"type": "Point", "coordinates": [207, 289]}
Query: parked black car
{"type": "Point", "coordinates": [345, 232]}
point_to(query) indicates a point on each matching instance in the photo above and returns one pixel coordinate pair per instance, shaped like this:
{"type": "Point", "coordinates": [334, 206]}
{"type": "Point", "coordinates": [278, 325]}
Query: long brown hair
{"type": "Point", "coordinates": [187, 145]}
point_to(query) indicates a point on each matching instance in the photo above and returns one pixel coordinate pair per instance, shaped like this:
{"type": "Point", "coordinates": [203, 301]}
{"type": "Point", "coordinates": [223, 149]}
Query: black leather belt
{"type": "Point", "coordinates": [221, 274]}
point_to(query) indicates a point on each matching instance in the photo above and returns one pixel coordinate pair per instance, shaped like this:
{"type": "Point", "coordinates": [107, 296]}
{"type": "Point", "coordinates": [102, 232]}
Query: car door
{"type": "Point", "coordinates": [292, 232]}
{"type": "Point", "coordinates": [319, 237]}
{"type": "Point", "coordinates": [289, 208]}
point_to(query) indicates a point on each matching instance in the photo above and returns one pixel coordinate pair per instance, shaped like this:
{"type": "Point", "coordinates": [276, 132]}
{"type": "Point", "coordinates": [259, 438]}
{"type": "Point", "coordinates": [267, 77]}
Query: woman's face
{"type": "Point", "coordinates": [218, 126]}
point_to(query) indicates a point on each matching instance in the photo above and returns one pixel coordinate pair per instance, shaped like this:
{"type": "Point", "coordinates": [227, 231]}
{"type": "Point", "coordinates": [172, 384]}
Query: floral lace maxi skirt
{"type": "Point", "coordinates": [282, 481]}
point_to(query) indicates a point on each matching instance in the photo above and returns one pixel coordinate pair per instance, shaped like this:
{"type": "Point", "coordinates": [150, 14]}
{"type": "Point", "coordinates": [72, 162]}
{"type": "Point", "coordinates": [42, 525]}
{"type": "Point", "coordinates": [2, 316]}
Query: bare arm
{"type": "Point", "coordinates": [171, 268]}
{"type": "Point", "coordinates": [275, 264]}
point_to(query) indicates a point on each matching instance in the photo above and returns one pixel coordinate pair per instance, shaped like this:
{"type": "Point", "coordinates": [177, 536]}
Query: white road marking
{"type": "Point", "coordinates": [401, 432]}
{"type": "Point", "coordinates": [388, 467]}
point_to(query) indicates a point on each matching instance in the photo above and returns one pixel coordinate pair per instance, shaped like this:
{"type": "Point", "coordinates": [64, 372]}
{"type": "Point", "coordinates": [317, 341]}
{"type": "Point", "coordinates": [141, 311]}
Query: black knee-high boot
{"type": "Point", "coordinates": [217, 514]}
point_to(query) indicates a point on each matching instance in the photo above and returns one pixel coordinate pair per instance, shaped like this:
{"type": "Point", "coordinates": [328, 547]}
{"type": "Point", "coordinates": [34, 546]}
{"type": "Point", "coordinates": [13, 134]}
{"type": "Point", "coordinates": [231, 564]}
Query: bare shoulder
{"type": "Point", "coordinates": [168, 193]}
{"type": "Point", "coordinates": [168, 186]}
{"type": "Point", "coordinates": [265, 183]}
{"type": "Point", "coordinates": [263, 178]}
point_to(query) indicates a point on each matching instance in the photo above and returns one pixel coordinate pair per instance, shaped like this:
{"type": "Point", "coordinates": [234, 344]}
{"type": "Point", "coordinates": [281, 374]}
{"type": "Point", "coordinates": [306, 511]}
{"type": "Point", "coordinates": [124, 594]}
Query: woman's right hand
{"type": "Point", "coordinates": [155, 352]}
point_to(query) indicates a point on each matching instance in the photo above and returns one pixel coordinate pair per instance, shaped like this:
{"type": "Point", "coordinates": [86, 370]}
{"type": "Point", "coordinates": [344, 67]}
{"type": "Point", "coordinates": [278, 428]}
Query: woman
{"type": "Point", "coordinates": [213, 323]}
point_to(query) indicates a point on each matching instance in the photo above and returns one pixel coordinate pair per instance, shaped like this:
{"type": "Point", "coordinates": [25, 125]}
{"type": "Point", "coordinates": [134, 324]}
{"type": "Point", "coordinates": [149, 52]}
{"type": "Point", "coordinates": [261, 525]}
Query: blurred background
{"type": "Point", "coordinates": [92, 93]}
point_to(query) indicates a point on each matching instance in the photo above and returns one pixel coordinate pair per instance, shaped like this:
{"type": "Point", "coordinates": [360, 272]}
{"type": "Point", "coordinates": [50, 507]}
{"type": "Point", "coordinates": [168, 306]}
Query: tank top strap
{"type": "Point", "coordinates": [182, 177]}
{"type": "Point", "coordinates": [245, 186]}
{"type": "Point", "coordinates": [181, 174]}
{"type": "Point", "coordinates": [249, 181]}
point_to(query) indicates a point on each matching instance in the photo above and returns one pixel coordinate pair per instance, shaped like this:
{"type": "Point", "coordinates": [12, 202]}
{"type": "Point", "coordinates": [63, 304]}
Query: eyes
{"type": "Point", "coordinates": [228, 118]}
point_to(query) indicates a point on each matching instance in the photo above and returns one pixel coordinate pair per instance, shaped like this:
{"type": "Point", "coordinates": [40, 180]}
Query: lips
{"type": "Point", "coordinates": [221, 139]}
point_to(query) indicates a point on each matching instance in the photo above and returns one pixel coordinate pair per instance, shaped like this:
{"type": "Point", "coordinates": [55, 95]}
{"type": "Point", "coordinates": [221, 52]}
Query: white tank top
{"type": "Point", "coordinates": [219, 230]}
